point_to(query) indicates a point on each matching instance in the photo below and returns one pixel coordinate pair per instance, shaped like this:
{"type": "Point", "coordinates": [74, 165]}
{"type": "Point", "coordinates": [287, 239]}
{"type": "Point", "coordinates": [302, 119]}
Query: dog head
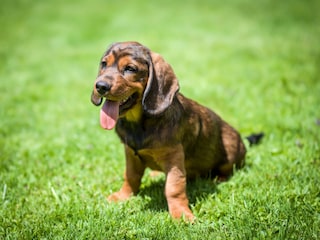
{"type": "Point", "coordinates": [132, 80]}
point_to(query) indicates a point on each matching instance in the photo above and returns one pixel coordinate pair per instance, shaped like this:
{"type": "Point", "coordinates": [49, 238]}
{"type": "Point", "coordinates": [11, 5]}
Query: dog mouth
{"type": "Point", "coordinates": [111, 110]}
{"type": "Point", "coordinates": [127, 103]}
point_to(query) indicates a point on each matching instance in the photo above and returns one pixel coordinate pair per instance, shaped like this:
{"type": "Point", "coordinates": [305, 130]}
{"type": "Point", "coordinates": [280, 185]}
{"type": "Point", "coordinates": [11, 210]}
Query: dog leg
{"type": "Point", "coordinates": [235, 150]}
{"type": "Point", "coordinates": [175, 189]}
{"type": "Point", "coordinates": [132, 177]}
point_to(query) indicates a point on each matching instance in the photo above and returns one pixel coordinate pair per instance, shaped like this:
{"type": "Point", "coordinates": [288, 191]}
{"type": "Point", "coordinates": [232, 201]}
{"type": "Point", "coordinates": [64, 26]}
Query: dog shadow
{"type": "Point", "coordinates": [197, 190]}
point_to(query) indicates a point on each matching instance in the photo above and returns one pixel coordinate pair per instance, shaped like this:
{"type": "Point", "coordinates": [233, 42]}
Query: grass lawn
{"type": "Point", "coordinates": [256, 63]}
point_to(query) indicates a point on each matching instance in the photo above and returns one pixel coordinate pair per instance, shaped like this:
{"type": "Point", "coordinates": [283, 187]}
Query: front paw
{"type": "Point", "coordinates": [119, 196]}
{"type": "Point", "coordinates": [183, 213]}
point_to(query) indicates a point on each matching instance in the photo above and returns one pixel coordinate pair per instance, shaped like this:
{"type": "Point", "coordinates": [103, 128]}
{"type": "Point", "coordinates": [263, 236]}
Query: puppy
{"type": "Point", "coordinates": [159, 127]}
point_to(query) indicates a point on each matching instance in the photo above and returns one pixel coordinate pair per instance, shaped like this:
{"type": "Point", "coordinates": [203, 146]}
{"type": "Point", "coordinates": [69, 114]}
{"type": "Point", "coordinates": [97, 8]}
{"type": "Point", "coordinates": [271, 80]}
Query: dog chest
{"type": "Point", "coordinates": [161, 158]}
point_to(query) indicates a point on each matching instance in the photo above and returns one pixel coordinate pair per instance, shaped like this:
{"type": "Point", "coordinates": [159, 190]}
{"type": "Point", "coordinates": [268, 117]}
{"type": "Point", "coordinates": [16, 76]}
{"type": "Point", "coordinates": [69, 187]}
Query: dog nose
{"type": "Point", "coordinates": [102, 87]}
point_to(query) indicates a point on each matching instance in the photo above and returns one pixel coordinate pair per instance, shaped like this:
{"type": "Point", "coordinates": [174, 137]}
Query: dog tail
{"type": "Point", "coordinates": [255, 138]}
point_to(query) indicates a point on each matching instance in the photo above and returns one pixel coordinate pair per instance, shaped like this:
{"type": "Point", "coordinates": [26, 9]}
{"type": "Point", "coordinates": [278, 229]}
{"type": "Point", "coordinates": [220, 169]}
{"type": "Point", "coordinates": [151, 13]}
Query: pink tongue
{"type": "Point", "coordinates": [109, 114]}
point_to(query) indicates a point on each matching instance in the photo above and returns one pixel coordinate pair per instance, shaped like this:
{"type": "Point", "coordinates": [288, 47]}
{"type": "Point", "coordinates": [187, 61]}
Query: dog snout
{"type": "Point", "coordinates": [102, 87]}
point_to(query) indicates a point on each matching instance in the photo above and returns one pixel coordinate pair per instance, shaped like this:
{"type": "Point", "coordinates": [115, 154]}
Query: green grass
{"type": "Point", "coordinates": [256, 63]}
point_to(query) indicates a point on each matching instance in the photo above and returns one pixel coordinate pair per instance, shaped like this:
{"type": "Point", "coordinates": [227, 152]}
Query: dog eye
{"type": "Point", "coordinates": [130, 69]}
{"type": "Point", "coordinates": [103, 64]}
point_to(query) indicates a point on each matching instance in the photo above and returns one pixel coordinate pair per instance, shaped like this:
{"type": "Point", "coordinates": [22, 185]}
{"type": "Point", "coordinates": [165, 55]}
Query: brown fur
{"type": "Point", "coordinates": [162, 129]}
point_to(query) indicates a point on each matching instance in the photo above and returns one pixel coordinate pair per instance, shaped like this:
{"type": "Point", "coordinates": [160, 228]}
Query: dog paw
{"type": "Point", "coordinates": [183, 214]}
{"type": "Point", "coordinates": [118, 196]}
{"type": "Point", "coordinates": [189, 217]}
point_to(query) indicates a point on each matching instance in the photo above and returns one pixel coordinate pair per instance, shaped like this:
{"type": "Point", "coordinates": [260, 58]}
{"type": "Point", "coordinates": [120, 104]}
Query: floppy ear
{"type": "Point", "coordinates": [161, 87]}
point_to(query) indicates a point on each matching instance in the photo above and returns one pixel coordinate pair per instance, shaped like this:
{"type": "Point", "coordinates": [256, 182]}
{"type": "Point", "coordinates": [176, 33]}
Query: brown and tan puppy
{"type": "Point", "coordinates": [159, 127]}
